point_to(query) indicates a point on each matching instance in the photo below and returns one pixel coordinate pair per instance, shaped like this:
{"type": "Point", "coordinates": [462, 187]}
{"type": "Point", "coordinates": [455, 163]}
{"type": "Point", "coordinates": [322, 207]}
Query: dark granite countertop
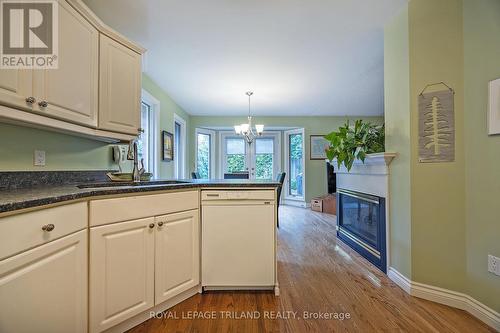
{"type": "Point", "coordinates": [15, 199]}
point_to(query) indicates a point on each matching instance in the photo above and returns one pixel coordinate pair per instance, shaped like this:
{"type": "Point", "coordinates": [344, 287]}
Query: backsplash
{"type": "Point", "coordinates": [25, 179]}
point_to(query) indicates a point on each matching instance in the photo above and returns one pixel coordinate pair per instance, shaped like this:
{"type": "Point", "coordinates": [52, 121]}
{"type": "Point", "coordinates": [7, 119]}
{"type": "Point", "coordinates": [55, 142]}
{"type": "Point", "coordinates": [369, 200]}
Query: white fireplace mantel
{"type": "Point", "coordinates": [377, 163]}
{"type": "Point", "coordinates": [370, 177]}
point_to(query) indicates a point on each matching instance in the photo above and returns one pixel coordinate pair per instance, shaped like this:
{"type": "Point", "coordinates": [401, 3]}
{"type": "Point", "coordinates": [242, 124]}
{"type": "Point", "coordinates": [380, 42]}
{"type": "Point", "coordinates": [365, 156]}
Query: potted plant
{"type": "Point", "coordinates": [355, 142]}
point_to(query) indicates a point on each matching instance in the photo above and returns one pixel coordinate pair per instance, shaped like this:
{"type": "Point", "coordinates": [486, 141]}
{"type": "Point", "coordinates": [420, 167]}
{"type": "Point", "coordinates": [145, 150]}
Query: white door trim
{"type": "Point", "coordinates": [222, 150]}
{"type": "Point", "coordinates": [250, 150]}
{"type": "Point", "coordinates": [287, 167]}
{"type": "Point", "coordinates": [180, 174]}
{"type": "Point", "coordinates": [211, 133]}
{"type": "Point", "coordinates": [154, 103]}
{"type": "Point", "coordinates": [276, 136]}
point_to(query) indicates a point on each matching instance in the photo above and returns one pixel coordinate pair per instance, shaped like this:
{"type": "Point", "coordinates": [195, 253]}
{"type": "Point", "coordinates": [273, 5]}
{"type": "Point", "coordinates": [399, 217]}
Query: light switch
{"type": "Point", "coordinates": [124, 153]}
{"type": "Point", "coordinates": [39, 158]}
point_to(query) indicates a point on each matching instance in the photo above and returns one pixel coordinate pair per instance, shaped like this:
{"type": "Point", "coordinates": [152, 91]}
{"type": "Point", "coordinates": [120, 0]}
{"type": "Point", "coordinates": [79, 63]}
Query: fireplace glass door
{"type": "Point", "coordinates": [360, 217]}
{"type": "Point", "coordinates": [361, 224]}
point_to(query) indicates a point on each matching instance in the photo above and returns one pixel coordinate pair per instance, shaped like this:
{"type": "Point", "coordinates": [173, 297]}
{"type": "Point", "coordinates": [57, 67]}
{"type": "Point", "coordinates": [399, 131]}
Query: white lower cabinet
{"type": "Point", "coordinates": [138, 264]}
{"type": "Point", "coordinates": [45, 289]}
{"type": "Point", "coordinates": [177, 257]}
{"type": "Point", "coordinates": [121, 272]}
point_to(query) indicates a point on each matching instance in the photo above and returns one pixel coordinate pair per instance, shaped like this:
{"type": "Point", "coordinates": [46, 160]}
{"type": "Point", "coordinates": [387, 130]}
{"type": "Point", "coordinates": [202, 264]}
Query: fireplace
{"type": "Point", "coordinates": [361, 224]}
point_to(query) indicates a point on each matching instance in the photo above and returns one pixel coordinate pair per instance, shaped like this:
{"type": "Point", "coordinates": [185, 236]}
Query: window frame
{"type": "Point", "coordinates": [276, 136]}
{"type": "Point", "coordinates": [250, 152]}
{"type": "Point", "coordinates": [223, 135]}
{"type": "Point", "coordinates": [154, 139]}
{"type": "Point", "coordinates": [286, 156]}
{"type": "Point", "coordinates": [180, 161]}
{"type": "Point", "coordinates": [212, 135]}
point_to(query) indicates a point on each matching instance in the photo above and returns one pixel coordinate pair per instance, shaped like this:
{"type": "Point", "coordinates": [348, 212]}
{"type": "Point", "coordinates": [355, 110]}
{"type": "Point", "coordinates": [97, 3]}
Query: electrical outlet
{"type": "Point", "coordinates": [39, 158]}
{"type": "Point", "coordinates": [493, 264]}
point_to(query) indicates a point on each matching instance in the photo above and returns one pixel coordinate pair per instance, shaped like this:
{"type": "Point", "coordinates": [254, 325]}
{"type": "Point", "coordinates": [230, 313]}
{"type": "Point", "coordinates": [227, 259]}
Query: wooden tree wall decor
{"type": "Point", "coordinates": [436, 125]}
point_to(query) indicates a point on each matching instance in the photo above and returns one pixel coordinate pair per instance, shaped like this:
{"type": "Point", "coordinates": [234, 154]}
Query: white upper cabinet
{"type": "Point", "coordinates": [45, 289]}
{"type": "Point", "coordinates": [119, 87]}
{"type": "Point", "coordinates": [16, 88]}
{"type": "Point", "coordinates": [96, 89]}
{"type": "Point", "coordinates": [177, 257]}
{"type": "Point", "coordinates": [70, 92]}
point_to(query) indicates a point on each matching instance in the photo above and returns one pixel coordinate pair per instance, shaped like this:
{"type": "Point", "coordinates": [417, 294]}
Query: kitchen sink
{"type": "Point", "coordinates": [123, 184]}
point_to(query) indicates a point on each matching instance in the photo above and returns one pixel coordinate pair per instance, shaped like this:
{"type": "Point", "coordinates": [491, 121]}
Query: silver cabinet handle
{"type": "Point", "coordinates": [160, 224]}
{"type": "Point", "coordinates": [43, 104]}
{"type": "Point", "coordinates": [151, 225]}
{"type": "Point", "coordinates": [30, 100]}
{"type": "Point", "coordinates": [48, 227]}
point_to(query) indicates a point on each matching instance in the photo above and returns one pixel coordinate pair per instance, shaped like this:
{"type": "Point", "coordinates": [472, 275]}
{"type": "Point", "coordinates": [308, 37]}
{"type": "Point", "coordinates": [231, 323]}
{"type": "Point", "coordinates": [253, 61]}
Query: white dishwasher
{"type": "Point", "coordinates": [238, 239]}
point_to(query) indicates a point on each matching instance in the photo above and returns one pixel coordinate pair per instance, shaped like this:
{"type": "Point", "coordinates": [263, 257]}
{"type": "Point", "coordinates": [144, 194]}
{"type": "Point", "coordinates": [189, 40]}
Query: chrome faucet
{"type": "Point", "coordinates": [133, 155]}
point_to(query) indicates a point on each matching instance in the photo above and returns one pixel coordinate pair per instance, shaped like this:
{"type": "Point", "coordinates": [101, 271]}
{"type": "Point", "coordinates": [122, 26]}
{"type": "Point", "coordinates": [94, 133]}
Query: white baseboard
{"type": "Point", "coordinates": [402, 281]}
{"type": "Point", "coordinates": [447, 297]}
{"type": "Point", "coordinates": [296, 203]}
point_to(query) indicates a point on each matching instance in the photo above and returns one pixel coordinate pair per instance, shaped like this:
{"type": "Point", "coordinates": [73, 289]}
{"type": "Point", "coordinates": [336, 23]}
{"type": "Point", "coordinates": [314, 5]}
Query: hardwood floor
{"type": "Point", "coordinates": [318, 274]}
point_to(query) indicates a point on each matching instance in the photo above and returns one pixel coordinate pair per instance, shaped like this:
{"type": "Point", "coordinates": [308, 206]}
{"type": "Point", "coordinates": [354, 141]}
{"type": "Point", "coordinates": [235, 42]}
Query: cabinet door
{"type": "Point", "coordinates": [45, 289]}
{"type": "Point", "coordinates": [119, 87]}
{"type": "Point", "coordinates": [177, 258]}
{"type": "Point", "coordinates": [121, 272]}
{"type": "Point", "coordinates": [71, 90]}
{"type": "Point", "coordinates": [15, 87]}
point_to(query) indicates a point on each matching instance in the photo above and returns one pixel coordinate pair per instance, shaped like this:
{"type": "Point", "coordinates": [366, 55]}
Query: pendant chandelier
{"type": "Point", "coordinates": [246, 129]}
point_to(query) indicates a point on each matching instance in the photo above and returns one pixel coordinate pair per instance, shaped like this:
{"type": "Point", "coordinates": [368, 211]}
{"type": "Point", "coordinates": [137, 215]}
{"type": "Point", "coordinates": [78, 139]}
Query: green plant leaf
{"type": "Point", "coordinates": [351, 143]}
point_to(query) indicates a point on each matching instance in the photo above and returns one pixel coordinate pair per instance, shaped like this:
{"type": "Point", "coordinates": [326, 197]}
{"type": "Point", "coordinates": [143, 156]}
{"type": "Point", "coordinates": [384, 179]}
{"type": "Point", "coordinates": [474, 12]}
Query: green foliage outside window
{"type": "Point", "coordinates": [203, 156]}
{"type": "Point", "coordinates": [296, 146]}
{"type": "Point", "coordinates": [264, 166]}
{"type": "Point", "coordinates": [295, 163]}
{"type": "Point", "coordinates": [235, 163]}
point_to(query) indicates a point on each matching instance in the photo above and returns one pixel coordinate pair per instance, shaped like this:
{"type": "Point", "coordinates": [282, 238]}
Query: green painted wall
{"type": "Point", "coordinates": [315, 170]}
{"type": "Point", "coordinates": [397, 127]}
{"type": "Point", "coordinates": [437, 189]}
{"type": "Point", "coordinates": [453, 215]}
{"type": "Point", "coordinates": [167, 109]}
{"type": "Point", "coordinates": [482, 64]}
{"type": "Point", "coordinates": [63, 152]}
{"type": "Point", "coordinates": [67, 152]}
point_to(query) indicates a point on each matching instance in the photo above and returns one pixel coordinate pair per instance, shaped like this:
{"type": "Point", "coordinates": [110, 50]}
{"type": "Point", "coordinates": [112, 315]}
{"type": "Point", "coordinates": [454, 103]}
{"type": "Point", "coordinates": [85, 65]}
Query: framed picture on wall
{"type": "Point", "coordinates": [494, 107]}
{"type": "Point", "coordinates": [167, 146]}
{"type": "Point", "coordinates": [318, 147]}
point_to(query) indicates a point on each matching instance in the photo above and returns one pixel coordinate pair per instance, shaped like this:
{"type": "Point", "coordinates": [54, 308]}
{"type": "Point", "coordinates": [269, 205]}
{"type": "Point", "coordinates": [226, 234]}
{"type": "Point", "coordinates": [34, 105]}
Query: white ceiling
{"type": "Point", "coordinates": [300, 57]}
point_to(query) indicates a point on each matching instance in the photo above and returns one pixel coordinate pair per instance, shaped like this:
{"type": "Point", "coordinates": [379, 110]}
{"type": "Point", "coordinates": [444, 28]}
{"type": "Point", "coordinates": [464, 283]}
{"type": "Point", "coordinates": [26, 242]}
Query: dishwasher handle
{"type": "Point", "coordinates": [264, 195]}
{"type": "Point", "coordinates": [237, 203]}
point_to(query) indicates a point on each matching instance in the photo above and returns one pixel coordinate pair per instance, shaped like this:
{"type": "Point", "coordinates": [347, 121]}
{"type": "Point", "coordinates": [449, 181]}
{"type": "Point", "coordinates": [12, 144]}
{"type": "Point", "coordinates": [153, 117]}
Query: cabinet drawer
{"type": "Point", "coordinates": [130, 208]}
{"type": "Point", "coordinates": [24, 231]}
